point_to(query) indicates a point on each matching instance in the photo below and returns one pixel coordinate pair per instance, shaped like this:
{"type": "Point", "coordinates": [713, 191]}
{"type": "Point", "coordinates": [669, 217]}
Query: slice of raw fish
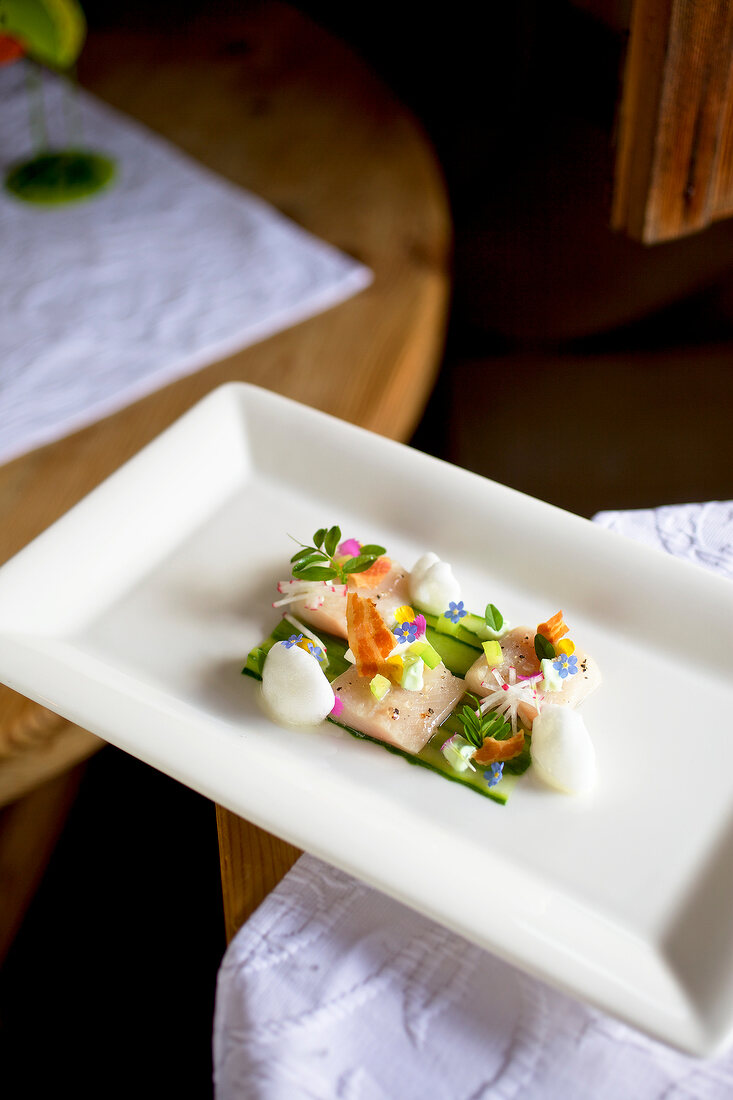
{"type": "Point", "coordinates": [323, 610]}
{"type": "Point", "coordinates": [517, 647]}
{"type": "Point", "coordinates": [403, 718]}
{"type": "Point", "coordinates": [389, 592]}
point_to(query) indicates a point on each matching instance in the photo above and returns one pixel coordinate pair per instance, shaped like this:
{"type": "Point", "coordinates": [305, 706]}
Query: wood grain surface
{"type": "Point", "coordinates": [252, 863]}
{"type": "Point", "coordinates": [272, 102]}
{"type": "Point", "coordinates": [674, 168]}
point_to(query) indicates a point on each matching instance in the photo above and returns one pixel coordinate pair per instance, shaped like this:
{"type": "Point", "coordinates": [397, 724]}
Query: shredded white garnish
{"type": "Point", "coordinates": [509, 695]}
{"type": "Point", "coordinates": [297, 590]}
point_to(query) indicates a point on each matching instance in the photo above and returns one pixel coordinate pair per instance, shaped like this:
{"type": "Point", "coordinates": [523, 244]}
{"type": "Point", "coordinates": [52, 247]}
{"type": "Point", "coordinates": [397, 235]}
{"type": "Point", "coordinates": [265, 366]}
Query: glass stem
{"type": "Point", "coordinates": [72, 114]}
{"type": "Point", "coordinates": [37, 111]}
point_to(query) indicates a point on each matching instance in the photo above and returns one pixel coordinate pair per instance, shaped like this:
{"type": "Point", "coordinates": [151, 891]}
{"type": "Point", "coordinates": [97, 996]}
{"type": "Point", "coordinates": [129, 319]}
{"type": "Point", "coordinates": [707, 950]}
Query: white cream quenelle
{"type": "Point", "coordinates": [295, 689]}
{"type": "Point", "coordinates": [432, 584]}
{"type": "Point", "coordinates": [562, 751]}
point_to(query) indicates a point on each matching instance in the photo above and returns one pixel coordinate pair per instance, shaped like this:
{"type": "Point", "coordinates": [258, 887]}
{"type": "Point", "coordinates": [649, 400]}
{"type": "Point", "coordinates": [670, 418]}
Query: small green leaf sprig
{"type": "Point", "coordinates": [494, 618]}
{"type": "Point", "coordinates": [477, 727]}
{"type": "Point", "coordinates": [544, 648]}
{"type": "Point", "coordinates": [318, 562]}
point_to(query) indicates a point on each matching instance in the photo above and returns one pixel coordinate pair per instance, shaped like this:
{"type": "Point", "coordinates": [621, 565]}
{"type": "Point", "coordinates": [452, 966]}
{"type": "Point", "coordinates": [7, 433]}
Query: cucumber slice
{"type": "Point", "coordinates": [456, 655]}
{"type": "Point", "coordinates": [444, 626]}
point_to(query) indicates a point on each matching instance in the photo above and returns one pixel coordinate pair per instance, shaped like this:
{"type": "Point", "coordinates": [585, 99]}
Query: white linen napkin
{"type": "Point", "coordinates": [106, 300]}
{"type": "Point", "coordinates": [332, 989]}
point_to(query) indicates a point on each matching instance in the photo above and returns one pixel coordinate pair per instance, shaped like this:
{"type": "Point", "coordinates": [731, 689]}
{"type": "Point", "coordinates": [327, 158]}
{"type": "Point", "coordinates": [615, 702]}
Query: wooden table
{"type": "Point", "coordinates": [272, 102]}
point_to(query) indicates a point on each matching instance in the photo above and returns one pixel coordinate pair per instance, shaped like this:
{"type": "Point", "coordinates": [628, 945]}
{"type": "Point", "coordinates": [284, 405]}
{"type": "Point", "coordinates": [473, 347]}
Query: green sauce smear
{"type": "Point", "coordinates": [51, 179]}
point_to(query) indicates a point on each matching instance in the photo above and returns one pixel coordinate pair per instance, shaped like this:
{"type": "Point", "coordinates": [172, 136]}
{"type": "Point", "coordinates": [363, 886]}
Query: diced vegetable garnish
{"type": "Point", "coordinates": [458, 753]}
{"type": "Point", "coordinates": [379, 686]}
{"type": "Point", "coordinates": [494, 656]}
{"type": "Point", "coordinates": [430, 656]}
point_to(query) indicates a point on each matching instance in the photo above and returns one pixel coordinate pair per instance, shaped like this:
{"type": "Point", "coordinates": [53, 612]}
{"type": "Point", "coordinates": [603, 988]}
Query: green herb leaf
{"type": "Point", "coordinates": [471, 727]}
{"type": "Point", "coordinates": [543, 647]}
{"type": "Point", "coordinates": [306, 563]}
{"type": "Point", "coordinates": [332, 540]}
{"type": "Point", "coordinates": [358, 565]}
{"type": "Point", "coordinates": [477, 727]}
{"type": "Point", "coordinates": [372, 551]}
{"type": "Point", "coordinates": [319, 536]}
{"type": "Point", "coordinates": [314, 573]}
{"type": "Point", "coordinates": [308, 552]}
{"type": "Point", "coordinates": [494, 617]}
{"type": "Point", "coordinates": [497, 727]}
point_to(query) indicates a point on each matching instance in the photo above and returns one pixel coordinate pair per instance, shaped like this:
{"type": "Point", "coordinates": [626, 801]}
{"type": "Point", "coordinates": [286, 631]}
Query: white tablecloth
{"type": "Point", "coordinates": [332, 990]}
{"type": "Point", "coordinates": [108, 299]}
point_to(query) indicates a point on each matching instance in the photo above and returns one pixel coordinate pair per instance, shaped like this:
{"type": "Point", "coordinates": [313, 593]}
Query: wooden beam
{"type": "Point", "coordinates": [252, 863]}
{"type": "Point", "coordinates": [674, 166]}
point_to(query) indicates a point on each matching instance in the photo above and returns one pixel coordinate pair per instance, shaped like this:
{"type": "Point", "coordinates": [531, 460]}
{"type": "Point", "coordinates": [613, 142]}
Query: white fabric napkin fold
{"type": "Point", "coordinates": [332, 990]}
{"type": "Point", "coordinates": [106, 300]}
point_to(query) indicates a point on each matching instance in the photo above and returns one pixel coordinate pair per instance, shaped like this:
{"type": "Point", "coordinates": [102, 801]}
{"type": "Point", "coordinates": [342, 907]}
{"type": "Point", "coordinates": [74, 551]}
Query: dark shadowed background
{"type": "Point", "coordinates": [579, 367]}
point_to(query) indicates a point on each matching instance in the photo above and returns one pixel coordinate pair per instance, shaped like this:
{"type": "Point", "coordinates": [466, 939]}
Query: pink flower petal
{"type": "Point", "coordinates": [338, 706]}
{"type": "Point", "coordinates": [350, 548]}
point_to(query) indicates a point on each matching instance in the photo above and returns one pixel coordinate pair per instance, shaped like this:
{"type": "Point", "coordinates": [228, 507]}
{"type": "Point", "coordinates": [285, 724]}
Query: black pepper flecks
{"type": "Point", "coordinates": [395, 714]}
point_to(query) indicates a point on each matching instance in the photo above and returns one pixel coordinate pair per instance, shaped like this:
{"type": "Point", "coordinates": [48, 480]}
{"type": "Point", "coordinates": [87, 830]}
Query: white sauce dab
{"type": "Point", "coordinates": [562, 751]}
{"type": "Point", "coordinates": [294, 687]}
{"type": "Point", "coordinates": [432, 584]}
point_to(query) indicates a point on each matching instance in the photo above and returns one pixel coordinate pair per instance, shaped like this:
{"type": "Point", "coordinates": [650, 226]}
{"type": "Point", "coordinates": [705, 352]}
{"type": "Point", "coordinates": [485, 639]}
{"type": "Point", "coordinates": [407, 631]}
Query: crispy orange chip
{"type": "Point", "coordinates": [492, 751]}
{"type": "Point", "coordinates": [554, 628]}
{"type": "Point", "coordinates": [369, 639]}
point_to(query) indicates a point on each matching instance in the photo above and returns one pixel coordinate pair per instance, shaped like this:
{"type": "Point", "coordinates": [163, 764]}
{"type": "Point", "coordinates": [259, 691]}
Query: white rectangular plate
{"type": "Point", "coordinates": [133, 614]}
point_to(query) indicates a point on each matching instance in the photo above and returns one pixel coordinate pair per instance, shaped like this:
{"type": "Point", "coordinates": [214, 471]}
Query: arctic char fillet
{"type": "Point", "coordinates": [406, 719]}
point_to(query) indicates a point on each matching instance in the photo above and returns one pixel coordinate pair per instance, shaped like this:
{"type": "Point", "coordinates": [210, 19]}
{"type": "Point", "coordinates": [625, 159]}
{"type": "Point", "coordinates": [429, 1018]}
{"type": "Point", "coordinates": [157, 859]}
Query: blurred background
{"type": "Point", "coordinates": [580, 366]}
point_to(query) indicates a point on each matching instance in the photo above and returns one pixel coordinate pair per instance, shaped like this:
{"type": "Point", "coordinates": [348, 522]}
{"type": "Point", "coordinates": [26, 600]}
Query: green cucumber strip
{"type": "Point", "coordinates": [457, 656]}
{"type": "Point", "coordinates": [444, 626]}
